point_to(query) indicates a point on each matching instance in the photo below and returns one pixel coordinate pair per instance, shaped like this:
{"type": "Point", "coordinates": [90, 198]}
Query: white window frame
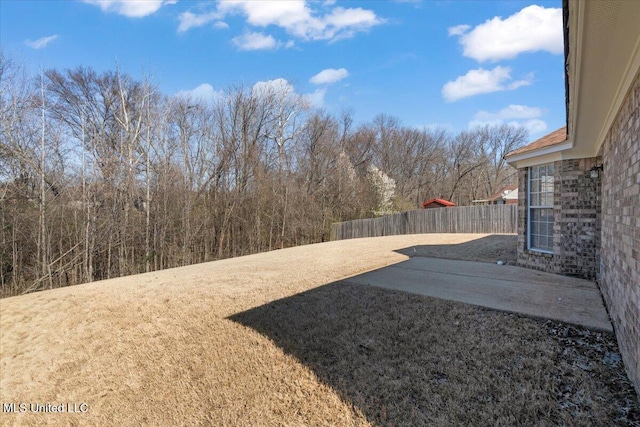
{"type": "Point", "coordinates": [540, 194]}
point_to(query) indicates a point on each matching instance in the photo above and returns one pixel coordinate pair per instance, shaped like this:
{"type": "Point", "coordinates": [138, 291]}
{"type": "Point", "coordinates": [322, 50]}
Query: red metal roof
{"type": "Point", "coordinates": [442, 202]}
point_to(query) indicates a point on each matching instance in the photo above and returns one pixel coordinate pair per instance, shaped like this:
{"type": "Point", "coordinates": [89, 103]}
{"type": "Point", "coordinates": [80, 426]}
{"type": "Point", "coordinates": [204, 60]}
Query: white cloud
{"type": "Point", "coordinates": [316, 98]}
{"type": "Point", "coordinates": [513, 115]}
{"type": "Point", "coordinates": [480, 81]}
{"type": "Point", "coordinates": [130, 8]}
{"type": "Point", "coordinates": [285, 92]}
{"type": "Point", "coordinates": [511, 112]}
{"type": "Point", "coordinates": [41, 42]}
{"type": "Point", "coordinates": [204, 92]}
{"type": "Point", "coordinates": [329, 75]}
{"type": "Point", "coordinates": [190, 20]}
{"type": "Point", "coordinates": [534, 28]}
{"type": "Point", "coordinates": [459, 30]}
{"type": "Point", "coordinates": [264, 13]}
{"type": "Point", "coordinates": [351, 17]}
{"type": "Point", "coordinates": [221, 25]}
{"type": "Point", "coordinates": [535, 126]}
{"type": "Point", "coordinates": [280, 87]}
{"type": "Point", "coordinates": [345, 23]}
{"type": "Point", "coordinates": [255, 41]}
{"type": "Point", "coordinates": [294, 16]}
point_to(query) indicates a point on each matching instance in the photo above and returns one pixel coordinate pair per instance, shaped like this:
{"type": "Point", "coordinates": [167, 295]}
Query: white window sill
{"type": "Point", "coordinates": [542, 251]}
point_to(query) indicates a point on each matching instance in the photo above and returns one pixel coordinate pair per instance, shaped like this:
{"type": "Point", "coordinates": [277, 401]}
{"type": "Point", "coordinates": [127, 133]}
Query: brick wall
{"type": "Point", "coordinates": [576, 232]}
{"type": "Point", "coordinates": [579, 220]}
{"type": "Point", "coordinates": [620, 275]}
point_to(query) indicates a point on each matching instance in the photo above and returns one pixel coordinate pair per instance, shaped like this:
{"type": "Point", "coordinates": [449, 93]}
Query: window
{"type": "Point", "coordinates": [540, 202]}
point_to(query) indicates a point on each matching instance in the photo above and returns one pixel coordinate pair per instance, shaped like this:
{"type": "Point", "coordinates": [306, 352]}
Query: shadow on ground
{"type": "Point", "coordinates": [403, 359]}
{"type": "Point", "coordinates": [486, 249]}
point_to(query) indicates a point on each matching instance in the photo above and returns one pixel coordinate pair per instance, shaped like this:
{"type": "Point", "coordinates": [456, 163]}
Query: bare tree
{"type": "Point", "coordinates": [101, 175]}
{"type": "Point", "coordinates": [497, 142]}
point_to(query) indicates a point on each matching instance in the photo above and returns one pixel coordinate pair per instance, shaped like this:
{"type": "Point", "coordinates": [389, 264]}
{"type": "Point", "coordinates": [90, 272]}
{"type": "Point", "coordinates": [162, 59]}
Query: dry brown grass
{"type": "Point", "coordinates": [408, 360]}
{"type": "Point", "coordinates": [493, 248]}
{"type": "Point", "coordinates": [277, 339]}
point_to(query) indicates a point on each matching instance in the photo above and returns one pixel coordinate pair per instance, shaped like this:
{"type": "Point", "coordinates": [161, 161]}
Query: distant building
{"type": "Point", "coordinates": [437, 203]}
{"type": "Point", "coordinates": [505, 196]}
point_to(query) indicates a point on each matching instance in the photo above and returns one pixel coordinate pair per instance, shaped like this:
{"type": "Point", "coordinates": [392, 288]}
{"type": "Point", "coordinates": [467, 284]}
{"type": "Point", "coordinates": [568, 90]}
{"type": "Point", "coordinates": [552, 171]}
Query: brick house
{"type": "Point", "coordinates": [579, 187]}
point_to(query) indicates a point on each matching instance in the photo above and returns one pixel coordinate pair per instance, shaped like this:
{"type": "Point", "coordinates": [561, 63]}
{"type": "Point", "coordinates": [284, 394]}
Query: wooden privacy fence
{"type": "Point", "coordinates": [499, 219]}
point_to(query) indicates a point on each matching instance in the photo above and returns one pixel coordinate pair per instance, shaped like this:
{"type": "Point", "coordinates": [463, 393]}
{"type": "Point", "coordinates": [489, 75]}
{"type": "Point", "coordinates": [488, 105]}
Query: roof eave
{"type": "Point", "coordinates": [597, 84]}
{"type": "Point", "coordinates": [532, 155]}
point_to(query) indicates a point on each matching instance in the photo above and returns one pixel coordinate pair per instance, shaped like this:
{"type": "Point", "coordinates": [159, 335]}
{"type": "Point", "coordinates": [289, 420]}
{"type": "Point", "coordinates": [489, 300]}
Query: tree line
{"type": "Point", "coordinates": [101, 175]}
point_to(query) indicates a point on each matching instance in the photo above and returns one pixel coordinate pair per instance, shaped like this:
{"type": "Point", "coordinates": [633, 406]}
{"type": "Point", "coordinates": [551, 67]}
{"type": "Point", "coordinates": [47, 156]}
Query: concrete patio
{"type": "Point", "coordinates": [501, 287]}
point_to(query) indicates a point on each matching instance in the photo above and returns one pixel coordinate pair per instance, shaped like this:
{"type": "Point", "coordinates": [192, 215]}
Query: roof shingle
{"type": "Point", "coordinates": [553, 138]}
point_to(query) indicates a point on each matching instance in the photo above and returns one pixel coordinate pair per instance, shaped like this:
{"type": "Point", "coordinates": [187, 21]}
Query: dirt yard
{"type": "Point", "coordinates": [277, 339]}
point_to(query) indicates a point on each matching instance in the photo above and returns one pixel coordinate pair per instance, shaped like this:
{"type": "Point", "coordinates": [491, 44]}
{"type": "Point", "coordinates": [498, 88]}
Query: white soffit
{"type": "Point", "coordinates": [604, 54]}
{"type": "Point", "coordinates": [534, 160]}
{"type": "Point", "coordinates": [541, 155]}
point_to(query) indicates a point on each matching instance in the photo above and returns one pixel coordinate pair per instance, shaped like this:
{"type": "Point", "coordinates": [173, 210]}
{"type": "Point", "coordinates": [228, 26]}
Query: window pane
{"type": "Point", "coordinates": [547, 215]}
{"type": "Point", "coordinates": [547, 185]}
{"type": "Point", "coordinates": [543, 199]}
{"type": "Point", "coordinates": [535, 186]}
{"type": "Point", "coordinates": [534, 241]}
{"type": "Point", "coordinates": [541, 229]}
{"type": "Point", "coordinates": [535, 199]}
{"type": "Point", "coordinates": [540, 203]}
{"type": "Point", "coordinates": [544, 243]}
{"type": "Point", "coordinates": [534, 229]}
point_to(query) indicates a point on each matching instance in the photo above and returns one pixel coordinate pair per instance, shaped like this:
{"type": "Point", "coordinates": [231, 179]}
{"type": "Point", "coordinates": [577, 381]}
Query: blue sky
{"type": "Point", "coordinates": [453, 64]}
